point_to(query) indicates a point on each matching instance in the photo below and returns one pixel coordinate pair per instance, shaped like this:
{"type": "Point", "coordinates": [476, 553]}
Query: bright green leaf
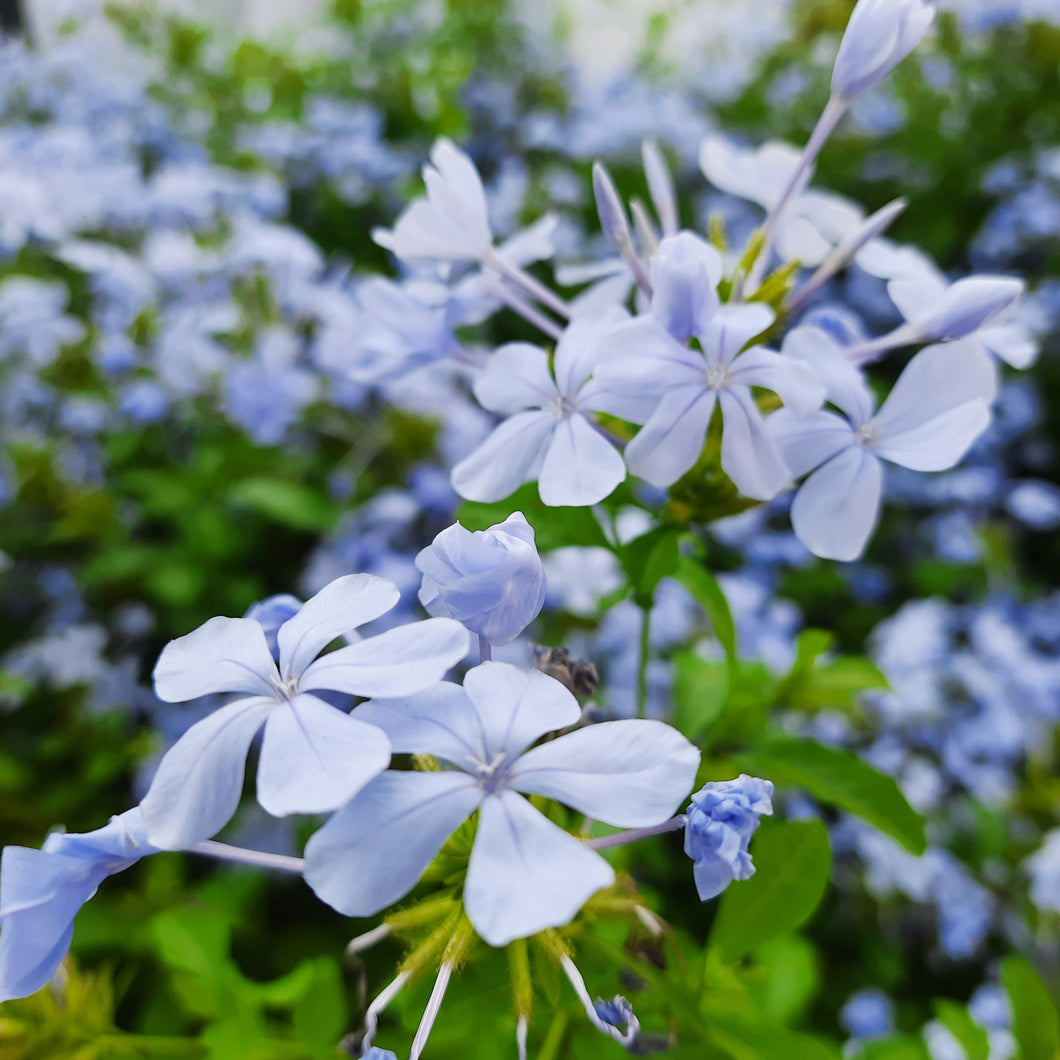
{"type": "Point", "coordinates": [973, 1039]}
{"type": "Point", "coordinates": [1035, 1022]}
{"type": "Point", "coordinates": [648, 559]}
{"type": "Point", "coordinates": [701, 690]}
{"type": "Point", "coordinates": [842, 779]}
{"type": "Point", "coordinates": [704, 587]}
{"type": "Point", "coordinates": [293, 505]}
{"type": "Point", "coordinates": [792, 862]}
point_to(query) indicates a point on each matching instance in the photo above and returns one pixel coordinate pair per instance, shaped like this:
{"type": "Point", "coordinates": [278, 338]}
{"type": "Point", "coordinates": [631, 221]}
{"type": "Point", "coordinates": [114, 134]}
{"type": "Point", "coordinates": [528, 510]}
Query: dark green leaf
{"type": "Point", "coordinates": [648, 559]}
{"type": "Point", "coordinates": [792, 862]}
{"type": "Point", "coordinates": [298, 507]}
{"type": "Point", "coordinates": [842, 779]}
{"type": "Point", "coordinates": [973, 1039]}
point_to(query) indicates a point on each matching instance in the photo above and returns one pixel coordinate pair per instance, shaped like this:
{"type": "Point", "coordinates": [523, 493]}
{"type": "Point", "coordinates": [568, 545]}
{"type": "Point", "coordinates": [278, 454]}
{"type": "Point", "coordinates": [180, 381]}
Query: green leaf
{"type": "Point", "coordinates": [293, 505]}
{"type": "Point", "coordinates": [812, 685]}
{"type": "Point", "coordinates": [759, 1041]}
{"type": "Point", "coordinates": [901, 1047]}
{"type": "Point", "coordinates": [704, 587]}
{"type": "Point", "coordinates": [701, 690]}
{"type": "Point", "coordinates": [553, 527]}
{"type": "Point", "coordinates": [792, 862]}
{"type": "Point", "coordinates": [1035, 1023]}
{"type": "Point", "coordinates": [320, 1013]}
{"type": "Point", "coordinates": [792, 978]}
{"type": "Point", "coordinates": [842, 779]}
{"type": "Point", "coordinates": [972, 1038]}
{"type": "Point", "coordinates": [648, 559]}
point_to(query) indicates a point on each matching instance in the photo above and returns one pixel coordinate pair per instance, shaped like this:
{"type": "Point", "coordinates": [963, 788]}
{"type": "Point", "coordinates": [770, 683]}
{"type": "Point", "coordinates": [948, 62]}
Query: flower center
{"type": "Point", "coordinates": [717, 377]}
{"type": "Point", "coordinates": [561, 407]}
{"type": "Point", "coordinates": [492, 774]}
{"type": "Point", "coordinates": [867, 435]}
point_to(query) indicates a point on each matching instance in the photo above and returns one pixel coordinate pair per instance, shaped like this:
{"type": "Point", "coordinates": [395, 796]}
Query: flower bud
{"type": "Point", "coordinates": [490, 580]}
{"type": "Point", "coordinates": [721, 820]}
{"type": "Point", "coordinates": [879, 35]}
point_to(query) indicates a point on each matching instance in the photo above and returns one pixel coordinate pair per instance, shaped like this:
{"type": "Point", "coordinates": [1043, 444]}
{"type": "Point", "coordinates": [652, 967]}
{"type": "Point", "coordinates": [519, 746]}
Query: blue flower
{"type": "Point", "coordinates": [867, 1014]}
{"type": "Point", "coordinates": [721, 820]}
{"type": "Point", "coordinates": [525, 873]}
{"type": "Point", "coordinates": [490, 580]}
{"type": "Point", "coordinates": [42, 890]}
{"type": "Point", "coordinates": [313, 757]}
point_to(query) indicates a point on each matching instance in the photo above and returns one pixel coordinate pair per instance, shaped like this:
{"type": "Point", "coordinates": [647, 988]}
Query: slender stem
{"type": "Point", "coordinates": [259, 858]}
{"type": "Point", "coordinates": [521, 1029]}
{"type": "Point", "coordinates": [828, 120]}
{"type": "Point", "coordinates": [367, 940]}
{"type": "Point", "coordinates": [526, 310]}
{"type": "Point", "coordinates": [532, 286]}
{"type": "Point", "coordinates": [380, 1002]}
{"type": "Point", "coordinates": [642, 662]}
{"type": "Point", "coordinates": [874, 349]}
{"type": "Point", "coordinates": [430, 1013]}
{"type": "Point", "coordinates": [631, 835]}
{"type": "Point", "coordinates": [485, 650]}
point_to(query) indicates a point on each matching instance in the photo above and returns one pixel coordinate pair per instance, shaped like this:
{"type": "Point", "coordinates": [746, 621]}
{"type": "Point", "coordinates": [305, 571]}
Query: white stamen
{"type": "Point", "coordinates": [520, 1036]}
{"type": "Point", "coordinates": [434, 1003]}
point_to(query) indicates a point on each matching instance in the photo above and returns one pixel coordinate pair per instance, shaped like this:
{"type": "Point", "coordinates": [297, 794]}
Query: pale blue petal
{"type": "Point", "coordinates": [200, 778]}
{"type": "Point", "coordinates": [835, 509]}
{"type": "Point", "coordinates": [526, 874]}
{"type": "Point", "coordinates": [516, 706]}
{"type": "Point", "coordinates": [937, 380]}
{"type": "Point", "coordinates": [684, 275]}
{"type": "Point", "coordinates": [314, 757]}
{"type": "Point", "coordinates": [439, 721]}
{"type": "Point", "coordinates": [844, 382]}
{"type": "Point", "coordinates": [672, 439]}
{"type": "Point", "coordinates": [509, 457]}
{"type": "Point", "coordinates": [629, 773]}
{"type": "Point", "coordinates": [798, 387]}
{"type": "Point", "coordinates": [940, 442]}
{"type": "Point", "coordinates": [395, 663]}
{"type": "Point", "coordinates": [338, 608]}
{"type": "Point", "coordinates": [730, 329]}
{"type": "Point", "coordinates": [581, 466]}
{"type": "Point", "coordinates": [222, 655]}
{"type": "Point", "coordinates": [749, 456]}
{"type": "Point", "coordinates": [806, 442]}
{"type": "Point", "coordinates": [516, 377]}
{"type": "Point", "coordinates": [585, 341]}
{"type": "Point", "coordinates": [374, 850]}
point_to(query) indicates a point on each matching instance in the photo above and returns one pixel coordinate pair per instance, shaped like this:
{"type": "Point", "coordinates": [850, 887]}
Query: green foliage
{"type": "Point", "coordinates": [972, 1038]}
{"type": "Point", "coordinates": [1035, 1021]}
{"type": "Point", "coordinates": [792, 864]}
{"type": "Point", "coordinates": [842, 779]}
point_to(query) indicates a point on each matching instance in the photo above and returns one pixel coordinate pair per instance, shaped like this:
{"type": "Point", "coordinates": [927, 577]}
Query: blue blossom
{"type": "Point", "coordinates": [42, 890]}
{"type": "Point", "coordinates": [491, 581]}
{"type": "Point", "coordinates": [525, 873]}
{"type": "Point", "coordinates": [271, 613]}
{"type": "Point", "coordinates": [934, 412]}
{"type": "Point", "coordinates": [452, 223]}
{"type": "Point", "coordinates": [721, 820]}
{"type": "Point", "coordinates": [549, 434]}
{"type": "Point", "coordinates": [1043, 866]}
{"type": "Point", "coordinates": [673, 390]}
{"type": "Point", "coordinates": [879, 35]}
{"type": "Point", "coordinates": [867, 1014]}
{"type": "Point", "coordinates": [313, 757]}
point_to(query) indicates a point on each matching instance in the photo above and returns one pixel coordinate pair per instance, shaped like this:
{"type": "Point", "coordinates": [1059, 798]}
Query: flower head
{"type": "Point", "coordinates": [490, 580]}
{"type": "Point", "coordinates": [879, 35]}
{"type": "Point", "coordinates": [42, 890]}
{"type": "Point", "coordinates": [525, 873]}
{"type": "Point", "coordinates": [721, 820]}
{"type": "Point", "coordinates": [313, 757]}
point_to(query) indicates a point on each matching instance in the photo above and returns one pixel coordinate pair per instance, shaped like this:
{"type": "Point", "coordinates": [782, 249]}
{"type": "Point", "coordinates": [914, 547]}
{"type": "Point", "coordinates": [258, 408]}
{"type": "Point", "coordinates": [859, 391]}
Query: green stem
{"type": "Point", "coordinates": [554, 1038]}
{"type": "Point", "coordinates": [642, 663]}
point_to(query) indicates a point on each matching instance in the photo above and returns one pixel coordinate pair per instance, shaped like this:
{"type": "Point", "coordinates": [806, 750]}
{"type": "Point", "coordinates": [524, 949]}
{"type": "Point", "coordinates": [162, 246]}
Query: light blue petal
{"type": "Point", "coordinates": [507, 458]}
{"type": "Point", "coordinates": [581, 466]}
{"type": "Point", "coordinates": [222, 655]}
{"type": "Point", "coordinates": [439, 721]}
{"type": "Point", "coordinates": [315, 758]}
{"type": "Point", "coordinates": [749, 456]}
{"type": "Point", "coordinates": [526, 874]}
{"type": "Point", "coordinates": [396, 663]}
{"type": "Point", "coordinates": [792, 380]}
{"type": "Point", "coordinates": [672, 439]}
{"type": "Point", "coordinates": [374, 850]}
{"type": "Point", "coordinates": [684, 275]}
{"type": "Point", "coordinates": [516, 377]}
{"type": "Point", "coordinates": [629, 773]}
{"type": "Point", "coordinates": [517, 706]}
{"type": "Point", "coordinates": [338, 608]}
{"type": "Point", "coordinates": [835, 509]}
{"type": "Point", "coordinates": [200, 778]}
